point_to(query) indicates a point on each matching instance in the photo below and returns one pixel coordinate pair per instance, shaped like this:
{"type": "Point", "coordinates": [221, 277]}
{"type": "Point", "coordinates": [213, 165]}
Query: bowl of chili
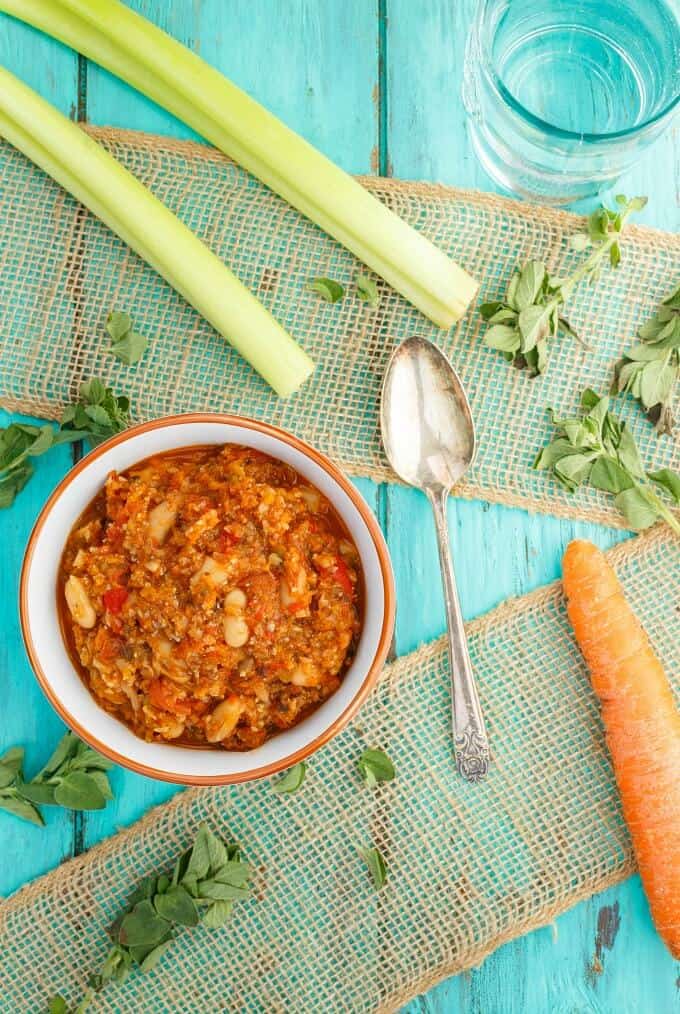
{"type": "Point", "coordinates": [206, 599]}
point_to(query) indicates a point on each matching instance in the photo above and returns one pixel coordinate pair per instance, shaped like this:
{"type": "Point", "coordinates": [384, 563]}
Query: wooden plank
{"type": "Point", "coordinates": [27, 718]}
{"type": "Point", "coordinates": [42, 63]}
{"type": "Point", "coordinates": [313, 64]}
{"type": "Point", "coordinates": [501, 552]}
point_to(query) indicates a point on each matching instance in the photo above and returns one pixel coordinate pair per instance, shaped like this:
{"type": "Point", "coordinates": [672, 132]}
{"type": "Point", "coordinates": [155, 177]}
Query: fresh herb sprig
{"type": "Point", "coordinates": [532, 310]}
{"type": "Point", "coordinates": [650, 370]}
{"type": "Point", "coordinates": [98, 412]}
{"type": "Point", "coordinates": [127, 345]}
{"type": "Point", "coordinates": [206, 881]}
{"type": "Point", "coordinates": [74, 777]}
{"type": "Point", "coordinates": [19, 442]}
{"type": "Point", "coordinates": [599, 450]}
{"type": "Point", "coordinates": [96, 415]}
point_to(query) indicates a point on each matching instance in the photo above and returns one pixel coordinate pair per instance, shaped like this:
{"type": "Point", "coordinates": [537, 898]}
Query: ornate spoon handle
{"type": "Point", "coordinates": [469, 734]}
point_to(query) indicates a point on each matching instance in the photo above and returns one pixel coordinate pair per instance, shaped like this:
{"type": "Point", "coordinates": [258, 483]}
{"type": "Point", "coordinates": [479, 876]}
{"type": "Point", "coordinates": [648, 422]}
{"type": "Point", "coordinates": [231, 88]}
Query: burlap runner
{"type": "Point", "coordinates": [470, 867]}
{"type": "Point", "coordinates": [61, 271]}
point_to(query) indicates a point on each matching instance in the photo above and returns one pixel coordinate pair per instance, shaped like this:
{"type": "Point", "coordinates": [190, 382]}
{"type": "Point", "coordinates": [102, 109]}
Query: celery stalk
{"type": "Point", "coordinates": [128, 45]}
{"type": "Point", "coordinates": [114, 195]}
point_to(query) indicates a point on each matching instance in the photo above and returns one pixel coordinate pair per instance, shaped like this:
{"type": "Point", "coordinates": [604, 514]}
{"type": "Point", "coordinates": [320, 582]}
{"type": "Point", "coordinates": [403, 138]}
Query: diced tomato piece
{"type": "Point", "coordinates": [163, 695]}
{"type": "Point", "coordinates": [340, 572]}
{"type": "Point", "coordinates": [226, 540]}
{"type": "Point", "coordinates": [114, 599]}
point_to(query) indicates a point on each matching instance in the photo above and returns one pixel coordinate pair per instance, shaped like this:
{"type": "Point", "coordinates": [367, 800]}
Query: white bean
{"type": "Point", "coordinates": [161, 520]}
{"type": "Point", "coordinates": [212, 572]}
{"type": "Point", "coordinates": [236, 631]}
{"type": "Point", "coordinates": [78, 602]}
{"type": "Point", "coordinates": [235, 600]}
{"type": "Point", "coordinates": [221, 722]}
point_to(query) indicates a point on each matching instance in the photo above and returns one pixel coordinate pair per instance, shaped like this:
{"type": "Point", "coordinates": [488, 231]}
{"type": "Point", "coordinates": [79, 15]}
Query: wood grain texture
{"type": "Point", "coordinates": [376, 85]}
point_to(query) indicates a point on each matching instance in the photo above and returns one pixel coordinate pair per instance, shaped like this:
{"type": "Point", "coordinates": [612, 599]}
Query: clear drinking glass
{"type": "Point", "coordinates": [563, 95]}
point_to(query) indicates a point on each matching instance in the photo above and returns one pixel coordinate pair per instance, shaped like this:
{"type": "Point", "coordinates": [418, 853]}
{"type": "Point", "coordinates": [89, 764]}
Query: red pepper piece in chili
{"type": "Point", "coordinates": [114, 599]}
{"type": "Point", "coordinates": [340, 571]}
{"type": "Point", "coordinates": [226, 541]}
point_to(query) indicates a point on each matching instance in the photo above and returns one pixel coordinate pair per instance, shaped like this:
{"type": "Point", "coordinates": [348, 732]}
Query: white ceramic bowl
{"type": "Point", "coordinates": [62, 684]}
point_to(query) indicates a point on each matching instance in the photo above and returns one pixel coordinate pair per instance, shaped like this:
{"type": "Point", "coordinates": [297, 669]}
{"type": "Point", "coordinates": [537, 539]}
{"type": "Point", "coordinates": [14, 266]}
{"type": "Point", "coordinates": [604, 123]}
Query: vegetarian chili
{"type": "Point", "coordinates": [210, 596]}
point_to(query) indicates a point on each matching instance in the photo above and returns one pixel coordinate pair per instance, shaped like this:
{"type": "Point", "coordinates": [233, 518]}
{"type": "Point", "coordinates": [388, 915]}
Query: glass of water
{"type": "Point", "coordinates": [563, 95]}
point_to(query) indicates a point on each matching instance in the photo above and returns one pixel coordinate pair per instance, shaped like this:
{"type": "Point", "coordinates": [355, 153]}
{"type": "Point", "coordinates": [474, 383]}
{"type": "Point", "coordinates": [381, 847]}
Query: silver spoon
{"type": "Point", "coordinates": [429, 438]}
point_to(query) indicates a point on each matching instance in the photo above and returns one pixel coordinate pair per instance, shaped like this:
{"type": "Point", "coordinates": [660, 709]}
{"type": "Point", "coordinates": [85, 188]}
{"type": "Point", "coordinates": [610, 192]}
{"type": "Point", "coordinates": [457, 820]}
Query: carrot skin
{"type": "Point", "coordinates": [642, 725]}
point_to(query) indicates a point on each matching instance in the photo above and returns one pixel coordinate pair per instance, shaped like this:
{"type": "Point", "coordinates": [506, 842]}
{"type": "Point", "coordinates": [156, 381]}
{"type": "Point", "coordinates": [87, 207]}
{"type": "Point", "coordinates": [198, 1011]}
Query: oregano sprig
{"type": "Point", "coordinates": [201, 889]}
{"type": "Point", "coordinates": [532, 311]}
{"type": "Point", "coordinates": [650, 370]}
{"type": "Point", "coordinates": [74, 777]}
{"type": "Point", "coordinates": [598, 450]}
{"type": "Point", "coordinates": [96, 415]}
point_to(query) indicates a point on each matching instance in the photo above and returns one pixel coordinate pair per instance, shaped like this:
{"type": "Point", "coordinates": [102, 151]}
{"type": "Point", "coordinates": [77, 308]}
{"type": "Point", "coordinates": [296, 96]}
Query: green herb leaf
{"type": "Point", "coordinates": [131, 348]}
{"type": "Point", "coordinates": [199, 861]}
{"type": "Point", "coordinates": [609, 476]}
{"type": "Point", "coordinates": [79, 791]}
{"type": "Point", "coordinates": [639, 512]}
{"type": "Point", "coordinates": [503, 337]}
{"type": "Point", "coordinates": [40, 793]}
{"type": "Point", "coordinates": [58, 1005]}
{"type": "Point", "coordinates": [292, 780]}
{"type": "Point", "coordinates": [376, 866]}
{"type": "Point", "coordinates": [650, 370]}
{"type": "Point", "coordinates": [118, 324]}
{"type": "Point", "coordinates": [10, 765]}
{"type": "Point", "coordinates": [368, 290]}
{"type": "Point", "coordinates": [65, 750]}
{"type": "Point", "coordinates": [668, 480]}
{"type": "Point", "coordinates": [530, 282]}
{"type": "Point", "coordinates": [143, 926]}
{"type": "Point", "coordinates": [216, 891]}
{"type": "Point", "coordinates": [375, 766]}
{"type": "Point", "coordinates": [149, 962]}
{"type": "Point", "coordinates": [329, 290]}
{"type": "Point", "coordinates": [13, 803]}
{"type": "Point", "coordinates": [176, 905]}
{"type": "Point", "coordinates": [217, 914]}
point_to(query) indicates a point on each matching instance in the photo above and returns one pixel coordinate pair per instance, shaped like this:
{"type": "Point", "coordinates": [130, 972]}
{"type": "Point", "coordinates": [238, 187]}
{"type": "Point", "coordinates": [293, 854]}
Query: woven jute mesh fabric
{"type": "Point", "coordinates": [470, 866]}
{"type": "Point", "coordinates": [61, 271]}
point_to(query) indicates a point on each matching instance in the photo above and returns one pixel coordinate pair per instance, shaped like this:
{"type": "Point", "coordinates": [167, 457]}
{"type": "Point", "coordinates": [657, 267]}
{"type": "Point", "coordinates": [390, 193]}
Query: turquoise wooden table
{"type": "Point", "coordinates": [376, 85]}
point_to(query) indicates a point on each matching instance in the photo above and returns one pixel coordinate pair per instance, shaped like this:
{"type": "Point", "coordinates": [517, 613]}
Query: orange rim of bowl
{"type": "Point", "coordinates": [389, 600]}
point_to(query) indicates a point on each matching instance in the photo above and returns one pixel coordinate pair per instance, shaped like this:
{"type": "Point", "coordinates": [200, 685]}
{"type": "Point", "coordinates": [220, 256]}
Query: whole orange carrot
{"type": "Point", "coordinates": [642, 726]}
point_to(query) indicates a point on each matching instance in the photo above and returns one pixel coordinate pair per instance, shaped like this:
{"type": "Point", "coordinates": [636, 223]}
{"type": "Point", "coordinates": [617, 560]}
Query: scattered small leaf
{"type": "Point", "coordinates": [329, 290]}
{"type": "Point", "coordinates": [375, 766]}
{"type": "Point", "coordinates": [368, 290]}
{"type": "Point", "coordinates": [292, 780]}
{"type": "Point", "coordinates": [376, 866]}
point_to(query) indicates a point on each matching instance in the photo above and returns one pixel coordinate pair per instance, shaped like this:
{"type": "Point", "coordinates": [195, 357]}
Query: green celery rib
{"type": "Point", "coordinates": [114, 195]}
{"type": "Point", "coordinates": [128, 45]}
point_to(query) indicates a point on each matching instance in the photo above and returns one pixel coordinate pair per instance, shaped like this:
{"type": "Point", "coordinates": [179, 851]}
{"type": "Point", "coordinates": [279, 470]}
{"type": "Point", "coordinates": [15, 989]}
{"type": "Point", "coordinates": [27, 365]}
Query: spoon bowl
{"type": "Point", "coordinates": [429, 438]}
{"type": "Point", "coordinates": [427, 426]}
